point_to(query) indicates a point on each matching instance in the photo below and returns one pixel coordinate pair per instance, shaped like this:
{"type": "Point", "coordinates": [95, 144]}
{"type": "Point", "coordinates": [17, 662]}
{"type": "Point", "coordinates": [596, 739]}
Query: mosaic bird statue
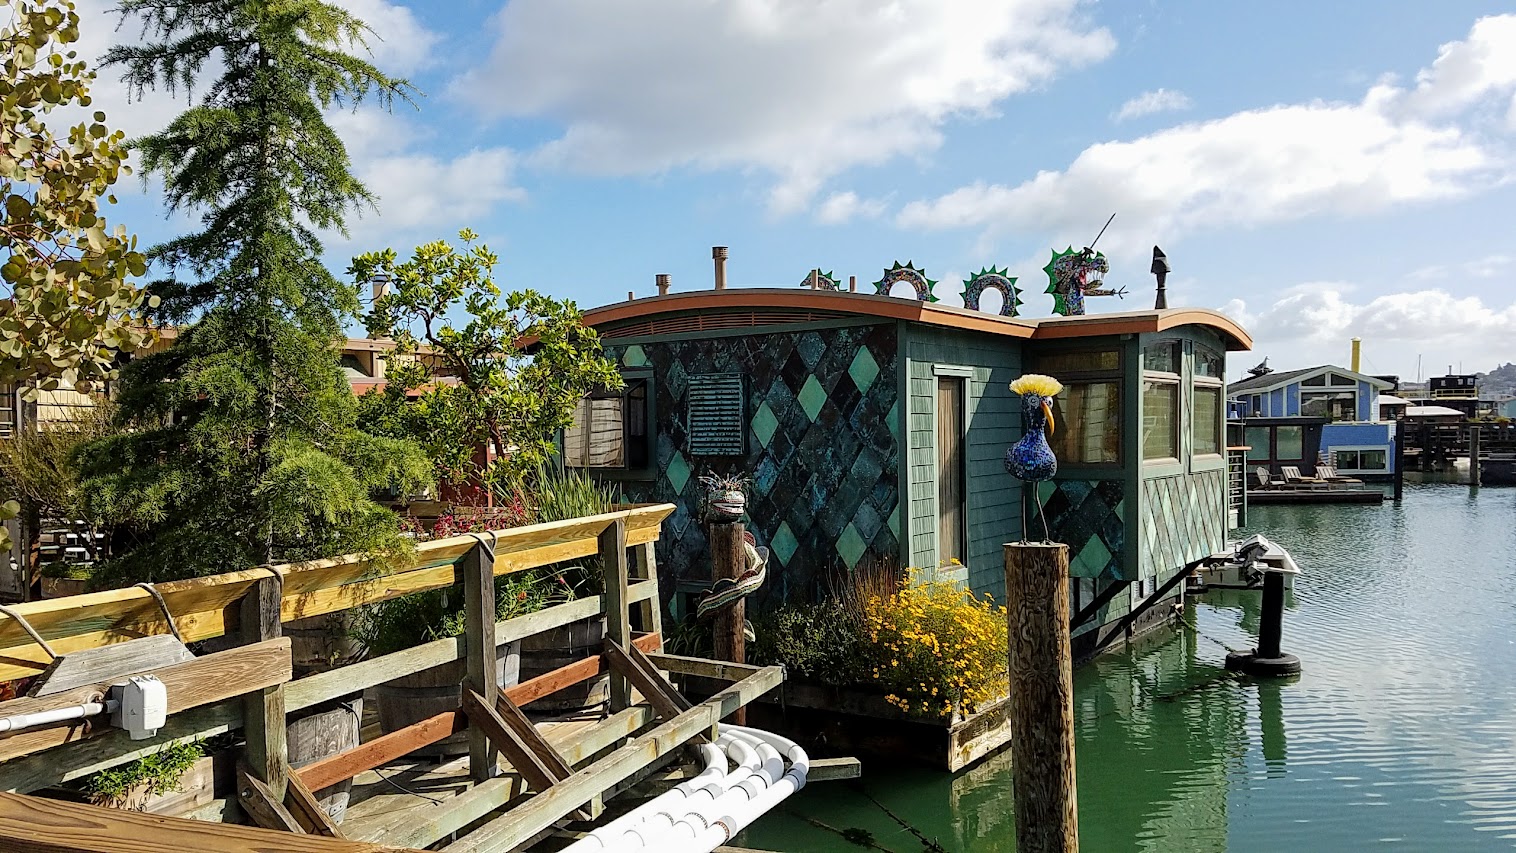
{"type": "Point", "coordinates": [1032, 459]}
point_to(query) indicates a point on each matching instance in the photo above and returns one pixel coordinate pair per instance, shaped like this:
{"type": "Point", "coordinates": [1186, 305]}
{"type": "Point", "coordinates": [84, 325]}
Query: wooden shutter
{"type": "Point", "coordinates": [716, 423]}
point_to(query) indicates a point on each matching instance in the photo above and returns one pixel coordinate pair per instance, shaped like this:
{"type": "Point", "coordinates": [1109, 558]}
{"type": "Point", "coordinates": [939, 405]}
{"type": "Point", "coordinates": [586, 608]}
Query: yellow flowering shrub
{"type": "Point", "coordinates": [937, 647]}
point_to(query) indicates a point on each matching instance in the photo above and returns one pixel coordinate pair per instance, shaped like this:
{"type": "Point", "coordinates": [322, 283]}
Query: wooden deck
{"type": "Point", "coordinates": [1260, 497]}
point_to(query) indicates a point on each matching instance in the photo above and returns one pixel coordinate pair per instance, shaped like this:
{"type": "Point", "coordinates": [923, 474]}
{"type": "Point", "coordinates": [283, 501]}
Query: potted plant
{"type": "Point", "coordinates": [61, 579]}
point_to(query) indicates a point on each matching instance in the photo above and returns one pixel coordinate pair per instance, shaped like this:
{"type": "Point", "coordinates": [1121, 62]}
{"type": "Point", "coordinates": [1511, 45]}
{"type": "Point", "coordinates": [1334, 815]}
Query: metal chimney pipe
{"type": "Point", "coordinates": [852, 284]}
{"type": "Point", "coordinates": [630, 295]}
{"type": "Point", "coordinates": [718, 254]}
{"type": "Point", "coordinates": [662, 280]}
{"type": "Point", "coordinates": [1357, 354]}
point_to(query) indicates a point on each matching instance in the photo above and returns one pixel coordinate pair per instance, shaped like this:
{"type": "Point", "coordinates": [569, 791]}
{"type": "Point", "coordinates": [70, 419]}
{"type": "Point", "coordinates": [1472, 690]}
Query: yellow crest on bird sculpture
{"type": "Point", "coordinates": [1037, 383]}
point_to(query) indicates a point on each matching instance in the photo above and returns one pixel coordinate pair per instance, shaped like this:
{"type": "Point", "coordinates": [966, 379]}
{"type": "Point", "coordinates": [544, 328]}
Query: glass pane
{"type": "Point", "coordinates": [1207, 422]}
{"type": "Point", "coordinates": [1373, 460]}
{"type": "Point", "coordinates": [1257, 440]}
{"type": "Point", "coordinates": [1315, 380]}
{"type": "Point", "coordinates": [1346, 460]}
{"type": "Point", "coordinates": [1291, 442]}
{"type": "Point", "coordinates": [1088, 418]}
{"type": "Point", "coordinates": [1162, 356]}
{"type": "Point", "coordinates": [1086, 361]}
{"type": "Point", "coordinates": [1209, 363]}
{"type": "Point", "coordinates": [596, 439]}
{"type": "Point", "coordinates": [1160, 420]}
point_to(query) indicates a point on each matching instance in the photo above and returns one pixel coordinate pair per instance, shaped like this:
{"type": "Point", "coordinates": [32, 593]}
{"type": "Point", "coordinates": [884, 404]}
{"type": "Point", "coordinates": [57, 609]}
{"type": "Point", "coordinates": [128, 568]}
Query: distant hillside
{"type": "Point", "coordinates": [1501, 380]}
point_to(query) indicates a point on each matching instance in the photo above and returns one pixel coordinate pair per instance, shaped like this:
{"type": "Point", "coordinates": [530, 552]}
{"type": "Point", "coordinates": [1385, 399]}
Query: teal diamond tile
{"type": "Point", "coordinates": [764, 424]}
{"type": "Point", "coordinates": [784, 544]}
{"type": "Point", "coordinates": [863, 369]}
{"type": "Point", "coordinates": [895, 521]}
{"type": "Point", "coordinates": [634, 357]}
{"type": "Point", "coordinates": [812, 397]}
{"type": "Point", "coordinates": [1092, 559]}
{"type": "Point", "coordinates": [678, 472]}
{"type": "Point", "coordinates": [850, 545]}
{"type": "Point", "coordinates": [893, 421]}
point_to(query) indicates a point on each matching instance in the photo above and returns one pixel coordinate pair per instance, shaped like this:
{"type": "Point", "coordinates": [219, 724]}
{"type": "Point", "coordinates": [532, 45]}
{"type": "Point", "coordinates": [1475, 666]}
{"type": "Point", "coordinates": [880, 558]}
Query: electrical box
{"type": "Point", "coordinates": [142, 706]}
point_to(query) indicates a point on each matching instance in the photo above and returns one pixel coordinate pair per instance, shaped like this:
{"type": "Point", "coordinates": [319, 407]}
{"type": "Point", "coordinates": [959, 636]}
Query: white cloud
{"type": "Point", "coordinates": [400, 45]}
{"type": "Point", "coordinates": [1156, 101]}
{"type": "Point", "coordinates": [795, 89]}
{"type": "Point", "coordinates": [1468, 71]}
{"type": "Point", "coordinates": [1253, 167]}
{"type": "Point", "coordinates": [1313, 324]}
{"type": "Point", "coordinates": [840, 208]}
{"type": "Point", "coordinates": [1485, 267]}
{"type": "Point", "coordinates": [432, 196]}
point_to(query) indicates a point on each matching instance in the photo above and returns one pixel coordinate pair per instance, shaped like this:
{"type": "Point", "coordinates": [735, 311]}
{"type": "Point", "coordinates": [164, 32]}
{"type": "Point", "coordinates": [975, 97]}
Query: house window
{"type": "Point", "coordinates": [1257, 405]}
{"type": "Point", "coordinates": [1160, 400]}
{"type": "Point", "coordinates": [1206, 423]}
{"type": "Point", "coordinates": [1061, 364]}
{"type": "Point", "coordinates": [1315, 380]}
{"type": "Point", "coordinates": [610, 430]}
{"type": "Point", "coordinates": [1258, 440]}
{"type": "Point", "coordinates": [1289, 443]}
{"type": "Point", "coordinates": [1334, 405]}
{"type": "Point", "coordinates": [1361, 459]}
{"type": "Point", "coordinates": [1209, 363]}
{"type": "Point", "coordinates": [1088, 423]}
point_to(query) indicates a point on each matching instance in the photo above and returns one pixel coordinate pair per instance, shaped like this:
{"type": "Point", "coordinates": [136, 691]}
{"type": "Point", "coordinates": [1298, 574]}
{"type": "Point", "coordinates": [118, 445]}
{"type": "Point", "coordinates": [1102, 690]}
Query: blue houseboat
{"type": "Point", "coordinates": [1299, 417]}
{"type": "Point", "coordinates": [873, 430]}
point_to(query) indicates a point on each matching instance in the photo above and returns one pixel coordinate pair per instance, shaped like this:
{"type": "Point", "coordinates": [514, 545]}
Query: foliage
{"type": "Point", "coordinates": [40, 466]}
{"type": "Point", "coordinates": [940, 649]}
{"type": "Point", "coordinates": [148, 776]}
{"type": "Point", "coordinates": [70, 311]}
{"type": "Point", "coordinates": [242, 446]}
{"type": "Point", "coordinates": [559, 495]}
{"type": "Point", "coordinates": [420, 618]}
{"type": "Point", "coordinates": [64, 570]}
{"type": "Point", "coordinates": [498, 397]}
{"type": "Point", "coordinates": [932, 646]}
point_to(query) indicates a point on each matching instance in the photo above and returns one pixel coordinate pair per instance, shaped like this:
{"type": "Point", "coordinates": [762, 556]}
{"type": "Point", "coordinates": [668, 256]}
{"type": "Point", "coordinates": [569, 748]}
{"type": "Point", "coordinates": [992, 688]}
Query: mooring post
{"type": "Point", "coordinates": [1041, 697]}
{"type": "Point", "coordinates": [1474, 473]}
{"type": "Point", "coordinates": [1268, 659]}
{"type": "Point", "coordinates": [728, 558]}
{"type": "Point", "coordinates": [1399, 459]}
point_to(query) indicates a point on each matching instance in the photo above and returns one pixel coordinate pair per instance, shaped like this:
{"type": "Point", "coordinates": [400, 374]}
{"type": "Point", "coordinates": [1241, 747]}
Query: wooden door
{"type": "Point", "coordinates": [950, 469]}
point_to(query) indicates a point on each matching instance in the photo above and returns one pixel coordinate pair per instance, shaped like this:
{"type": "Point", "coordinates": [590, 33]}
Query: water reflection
{"type": "Point", "coordinates": [1401, 731]}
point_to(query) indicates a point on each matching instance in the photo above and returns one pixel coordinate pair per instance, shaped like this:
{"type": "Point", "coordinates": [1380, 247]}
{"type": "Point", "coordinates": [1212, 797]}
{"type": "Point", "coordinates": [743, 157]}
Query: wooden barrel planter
{"type": "Point", "coordinates": [323, 643]}
{"type": "Point", "coordinates": [542, 653]}
{"type": "Point", "coordinates": [422, 695]}
{"type": "Point", "coordinates": [330, 728]}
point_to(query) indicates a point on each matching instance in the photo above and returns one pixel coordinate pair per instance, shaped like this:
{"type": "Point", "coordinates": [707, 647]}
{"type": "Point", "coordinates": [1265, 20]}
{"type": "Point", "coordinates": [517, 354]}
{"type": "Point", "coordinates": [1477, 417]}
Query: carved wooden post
{"type": "Point", "coordinates": [617, 627]}
{"type": "Point", "coordinates": [479, 609]}
{"type": "Point", "coordinates": [263, 710]}
{"type": "Point", "coordinates": [728, 559]}
{"type": "Point", "coordinates": [1041, 697]}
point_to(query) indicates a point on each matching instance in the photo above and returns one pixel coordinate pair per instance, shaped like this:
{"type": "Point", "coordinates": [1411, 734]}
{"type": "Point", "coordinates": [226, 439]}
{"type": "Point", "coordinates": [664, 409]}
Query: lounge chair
{"type": "Point", "coordinates": [1329, 473]}
{"type": "Point", "coordinates": [1294, 479]}
{"type": "Point", "coordinates": [1266, 479]}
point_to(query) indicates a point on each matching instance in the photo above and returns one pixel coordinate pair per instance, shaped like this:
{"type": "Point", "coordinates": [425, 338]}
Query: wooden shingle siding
{"type": "Point", "coordinates": [994, 424]}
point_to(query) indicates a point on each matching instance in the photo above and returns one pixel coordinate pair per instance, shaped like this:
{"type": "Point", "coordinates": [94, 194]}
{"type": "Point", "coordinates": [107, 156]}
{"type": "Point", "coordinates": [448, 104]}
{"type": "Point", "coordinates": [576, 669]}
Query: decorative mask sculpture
{"type": "Point", "coordinates": [1032, 459]}
{"type": "Point", "coordinates": [1072, 276]}
{"type": "Point", "coordinates": [725, 498]}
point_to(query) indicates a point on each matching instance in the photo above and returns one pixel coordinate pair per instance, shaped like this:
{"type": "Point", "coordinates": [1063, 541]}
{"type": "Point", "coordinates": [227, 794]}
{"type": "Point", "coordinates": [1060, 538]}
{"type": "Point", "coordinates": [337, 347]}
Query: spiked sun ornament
{"type": "Point", "coordinates": [909, 274]}
{"type": "Point", "coordinates": [990, 278]}
{"type": "Point", "coordinates": [1032, 459]}
{"type": "Point", "coordinates": [824, 280]}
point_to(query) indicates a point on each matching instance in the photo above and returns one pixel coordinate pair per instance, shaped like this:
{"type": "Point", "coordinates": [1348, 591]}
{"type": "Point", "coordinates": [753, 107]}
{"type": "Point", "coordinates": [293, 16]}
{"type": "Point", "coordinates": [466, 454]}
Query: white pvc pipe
{"type": "Point", "coordinates": [55, 715]}
{"type": "Point", "coordinates": [666, 829]}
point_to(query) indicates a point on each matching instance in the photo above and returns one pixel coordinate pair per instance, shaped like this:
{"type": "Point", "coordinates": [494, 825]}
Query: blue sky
{"type": "Point", "coordinates": [1316, 170]}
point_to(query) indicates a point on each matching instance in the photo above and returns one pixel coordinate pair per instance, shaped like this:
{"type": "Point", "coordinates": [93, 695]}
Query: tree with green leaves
{"type": "Point", "coordinates": [69, 310]}
{"type": "Point", "coordinates": [515, 370]}
{"type": "Point", "coordinates": [243, 447]}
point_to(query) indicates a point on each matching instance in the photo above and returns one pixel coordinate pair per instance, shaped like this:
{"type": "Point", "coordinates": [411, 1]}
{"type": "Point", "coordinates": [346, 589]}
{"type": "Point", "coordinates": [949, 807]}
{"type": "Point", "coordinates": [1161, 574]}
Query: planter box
{"type": "Point", "coordinates": [62, 587]}
{"type": "Point", "coordinates": [855, 721]}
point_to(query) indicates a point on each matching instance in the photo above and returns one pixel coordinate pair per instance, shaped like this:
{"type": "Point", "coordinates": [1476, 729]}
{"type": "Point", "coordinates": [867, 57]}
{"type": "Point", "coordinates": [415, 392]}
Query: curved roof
{"type": "Point", "coordinates": [804, 303]}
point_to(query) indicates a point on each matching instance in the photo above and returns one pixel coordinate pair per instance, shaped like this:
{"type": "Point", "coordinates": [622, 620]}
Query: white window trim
{"type": "Point", "coordinates": [1331, 454]}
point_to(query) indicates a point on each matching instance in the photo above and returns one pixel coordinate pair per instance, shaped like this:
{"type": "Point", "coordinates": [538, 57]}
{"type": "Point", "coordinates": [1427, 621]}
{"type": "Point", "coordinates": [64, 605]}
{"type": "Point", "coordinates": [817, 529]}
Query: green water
{"type": "Point", "coordinates": [1400, 734]}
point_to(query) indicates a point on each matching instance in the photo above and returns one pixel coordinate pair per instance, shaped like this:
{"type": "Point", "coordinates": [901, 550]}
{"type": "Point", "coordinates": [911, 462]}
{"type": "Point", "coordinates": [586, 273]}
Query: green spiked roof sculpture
{"type": "Point", "coordinates": [915, 278]}
{"type": "Point", "coordinates": [990, 278]}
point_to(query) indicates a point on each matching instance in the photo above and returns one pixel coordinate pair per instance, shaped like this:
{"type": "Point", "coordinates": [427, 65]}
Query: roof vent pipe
{"type": "Point", "coordinates": [662, 280]}
{"type": "Point", "coordinates": [852, 284]}
{"type": "Point", "coordinates": [718, 254]}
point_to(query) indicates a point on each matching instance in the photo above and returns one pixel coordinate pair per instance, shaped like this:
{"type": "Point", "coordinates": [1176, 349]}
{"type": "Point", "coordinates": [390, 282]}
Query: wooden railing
{"type": "Point", "coordinates": [249, 686]}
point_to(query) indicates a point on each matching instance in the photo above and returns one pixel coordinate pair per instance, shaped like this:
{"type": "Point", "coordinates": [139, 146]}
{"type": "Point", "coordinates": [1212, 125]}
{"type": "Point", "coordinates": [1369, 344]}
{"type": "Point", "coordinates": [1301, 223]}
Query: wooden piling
{"type": "Point", "coordinates": [479, 613]}
{"type": "Point", "coordinates": [728, 558]}
{"type": "Point", "coordinates": [267, 759]}
{"type": "Point", "coordinates": [1041, 697]}
{"type": "Point", "coordinates": [1474, 473]}
{"type": "Point", "coordinates": [1399, 458]}
{"type": "Point", "coordinates": [618, 629]}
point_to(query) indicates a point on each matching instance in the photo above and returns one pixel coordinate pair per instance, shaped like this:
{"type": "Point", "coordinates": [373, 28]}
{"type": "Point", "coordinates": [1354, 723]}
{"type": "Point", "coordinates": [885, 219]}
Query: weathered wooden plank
{"type": "Point", "coordinates": [617, 626]}
{"type": "Point", "coordinates": [650, 670]}
{"type": "Point", "coordinates": [484, 719]}
{"type": "Point", "coordinates": [479, 609]}
{"type": "Point", "coordinates": [92, 666]}
{"type": "Point", "coordinates": [527, 734]}
{"type": "Point", "coordinates": [200, 605]}
{"type": "Point", "coordinates": [263, 710]}
{"type": "Point", "coordinates": [37, 825]}
{"type": "Point", "coordinates": [361, 676]}
{"type": "Point", "coordinates": [650, 610]}
{"type": "Point", "coordinates": [549, 683]}
{"type": "Point", "coordinates": [379, 751]}
{"type": "Point", "coordinates": [653, 688]}
{"type": "Point", "coordinates": [308, 811]}
{"type": "Point", "coordinates": [201, 681]}
{"type": "Point", "coordinates": [542, 810]}
{"type": "Point", "coordinates": [723, 670]}
{"type": "Point", "coordinates": [259, 803]}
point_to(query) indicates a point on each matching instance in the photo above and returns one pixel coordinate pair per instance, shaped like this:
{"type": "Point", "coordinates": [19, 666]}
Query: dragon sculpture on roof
{"type": "Point", "coordinates": [1075, 275]}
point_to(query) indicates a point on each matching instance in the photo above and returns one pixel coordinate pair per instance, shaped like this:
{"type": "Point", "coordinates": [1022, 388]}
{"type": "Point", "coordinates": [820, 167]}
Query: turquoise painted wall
{"type": "Point", "coordinates": [994, 424]}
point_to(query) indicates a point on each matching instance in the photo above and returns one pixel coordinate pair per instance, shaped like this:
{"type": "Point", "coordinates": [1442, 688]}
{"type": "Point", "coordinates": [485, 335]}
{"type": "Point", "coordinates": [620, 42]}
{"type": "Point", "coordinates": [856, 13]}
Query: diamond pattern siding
{"type": "Point", "coordinates": [824, 456]}
{"type": "Point", "coordinates": [1087, 516]}
{"type": "Point", "coordinates": [1183, 519]}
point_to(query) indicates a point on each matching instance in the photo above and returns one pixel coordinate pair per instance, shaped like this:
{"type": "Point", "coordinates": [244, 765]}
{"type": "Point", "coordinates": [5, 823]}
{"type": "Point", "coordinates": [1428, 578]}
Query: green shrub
{"type": "Point", "coordinates": [146, 777]}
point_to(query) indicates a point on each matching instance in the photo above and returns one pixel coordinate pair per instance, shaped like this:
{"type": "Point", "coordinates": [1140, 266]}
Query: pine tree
{"type": "Point", "coordinates": [244, 449]}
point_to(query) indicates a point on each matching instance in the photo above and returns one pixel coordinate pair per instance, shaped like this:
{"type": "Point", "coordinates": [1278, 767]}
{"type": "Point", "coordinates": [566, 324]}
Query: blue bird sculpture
{"type": "Point", "coordinates": [1031, 459]}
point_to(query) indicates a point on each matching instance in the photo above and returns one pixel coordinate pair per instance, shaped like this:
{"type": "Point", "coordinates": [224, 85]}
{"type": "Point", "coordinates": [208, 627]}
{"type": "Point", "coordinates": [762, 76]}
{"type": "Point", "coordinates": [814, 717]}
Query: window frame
{"type": "Point", "coordinates": [1173, 380]}
{"type": "Point", "coordinates": [1115, 376]}
{"type": "Point", "coordinates": [1220, 434]}
{"type": "Point", "coordinates": [626, 471]}
{"type": "Point", "coordinates": [1359, 450]}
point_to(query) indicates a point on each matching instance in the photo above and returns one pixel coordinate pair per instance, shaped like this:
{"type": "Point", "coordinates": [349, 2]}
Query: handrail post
{"type": "Point", "coordinates": [645, 567]}
{"type": "Point", "coordinates": [263, 710]}
{"type": "Point", "coordinates": [617, 627]}
{"type": "Point", "coordinates": [479, 609]}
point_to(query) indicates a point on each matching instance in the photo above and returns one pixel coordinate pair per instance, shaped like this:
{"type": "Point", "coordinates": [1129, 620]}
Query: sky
{"type": "Point", "coordinates": [1317, 171]}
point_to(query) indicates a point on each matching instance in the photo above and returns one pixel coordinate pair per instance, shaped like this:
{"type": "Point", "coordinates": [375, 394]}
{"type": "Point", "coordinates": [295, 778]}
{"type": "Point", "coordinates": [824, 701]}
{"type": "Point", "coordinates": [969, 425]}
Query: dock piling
{"type": "Point", "coordinates": [1268, 659]}
{"type": "Point", "coordinates": [728, 558]}
{"type": "Point", "coordinates": [1041, 697]}
{"type": "Point", "coordinates": [1399, 459]}
{"type": "Point", "coordinates": [1475, 475]}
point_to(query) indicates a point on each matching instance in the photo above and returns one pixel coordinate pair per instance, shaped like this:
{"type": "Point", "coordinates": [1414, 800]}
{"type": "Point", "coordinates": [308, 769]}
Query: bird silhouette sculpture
{"type": "Point", "coordinates": [1032, 459]}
